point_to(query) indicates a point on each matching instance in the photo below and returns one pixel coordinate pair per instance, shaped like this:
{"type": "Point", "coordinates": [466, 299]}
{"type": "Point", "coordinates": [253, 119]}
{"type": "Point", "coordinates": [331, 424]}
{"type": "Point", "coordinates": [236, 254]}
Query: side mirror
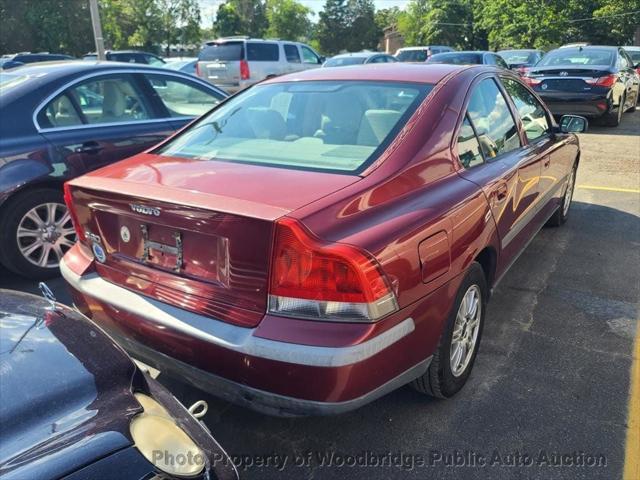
{"type": "Point", "coordinates": [637, 65]}
{"type": "Point", "coordinates": [321, 60]}
{"type": "Point", "coordinates": [573, 124]}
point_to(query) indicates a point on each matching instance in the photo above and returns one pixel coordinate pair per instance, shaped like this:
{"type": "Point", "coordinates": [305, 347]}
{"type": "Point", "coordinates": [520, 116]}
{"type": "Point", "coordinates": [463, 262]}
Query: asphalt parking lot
{"type": "Point", "coordinates": [549, 395]}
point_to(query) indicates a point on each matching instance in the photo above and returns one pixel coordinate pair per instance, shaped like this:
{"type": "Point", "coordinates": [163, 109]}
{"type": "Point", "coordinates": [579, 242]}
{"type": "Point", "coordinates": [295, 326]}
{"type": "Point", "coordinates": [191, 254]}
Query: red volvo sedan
{"type": "Point", "coordinates": [324, 237]}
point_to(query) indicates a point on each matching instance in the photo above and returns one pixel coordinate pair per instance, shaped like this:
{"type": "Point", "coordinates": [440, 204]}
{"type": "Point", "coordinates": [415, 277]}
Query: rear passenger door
{"type": "Point", "coordinates": [101, 120]}
{"type": "Point", "coordinates": [492, 156]}
{"type": "Point", "coordinates": [264, 60]}
{"type": "Point", "coordinates": [309, 58]}
{"type": "Point", "coordinates": [292, 57]}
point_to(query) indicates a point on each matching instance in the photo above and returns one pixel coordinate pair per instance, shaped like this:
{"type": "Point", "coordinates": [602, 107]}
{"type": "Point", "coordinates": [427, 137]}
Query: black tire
{"type": "Point", "coordinates": [560, 216]}
{"type": "Point", "coordinates": [439, 380]}
{"type": "Point", "coordinates": [613, 119]}
{"type": "Point", "coordinates": [10, 217]}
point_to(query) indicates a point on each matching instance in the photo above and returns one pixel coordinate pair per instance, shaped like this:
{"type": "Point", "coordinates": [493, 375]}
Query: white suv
{"type": "Point", "coordinates": [234, 63]}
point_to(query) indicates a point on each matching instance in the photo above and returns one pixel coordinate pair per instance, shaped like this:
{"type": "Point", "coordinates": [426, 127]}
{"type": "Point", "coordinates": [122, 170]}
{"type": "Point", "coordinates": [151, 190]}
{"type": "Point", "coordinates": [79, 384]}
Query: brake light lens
{"type": "Point", "coordinates": [68, 200]}
{"type": "Point", "coordinates": [606, 81]}
{"type": "Point", "coordinates": [244, 70]}
{"type": "Point", "coordinates": [532, 82]}
{"type": "Point", "coordinates": [325, 281]}
{"type": "Point", "coordinates": [197, 69]}
{"type": "Point", "coordinates": [522, 70]}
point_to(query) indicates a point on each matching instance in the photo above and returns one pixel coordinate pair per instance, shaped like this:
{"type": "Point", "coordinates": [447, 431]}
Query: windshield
{"type": "Point", "coordinates": [635, 56]}
{"type": "Point", "coordinates": [225, 51]}
{"type": "Point", "coordinates": [577, 57]}
{"type": "Point", "coordinates": [456, 58]}
{"type": "Point", "coordinates": [513, 57]}
{"type": "Point", "coordinates": [412, 56]}
{"type": "Point", "coordinates": [322, 126]}
{"type": "Point", "coordinates": [344, 61]}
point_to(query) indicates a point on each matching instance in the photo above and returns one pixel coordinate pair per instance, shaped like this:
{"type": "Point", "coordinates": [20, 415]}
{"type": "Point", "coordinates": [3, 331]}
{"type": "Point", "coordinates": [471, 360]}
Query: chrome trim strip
{"type": "Point", "coordinates": [225, 335]}
{"type": "Point", "coordinates": [117, 71]}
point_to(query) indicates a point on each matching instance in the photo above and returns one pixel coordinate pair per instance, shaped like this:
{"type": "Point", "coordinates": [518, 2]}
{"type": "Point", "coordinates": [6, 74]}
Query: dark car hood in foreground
{"type": "Point", "coordinates": [65, 390]}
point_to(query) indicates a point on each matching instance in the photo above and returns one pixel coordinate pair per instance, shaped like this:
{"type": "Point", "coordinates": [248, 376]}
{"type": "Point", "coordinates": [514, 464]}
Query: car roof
{"type": "Point", "coordinates": [358, 54]}
{"type": "Point", "coordinates": [590, 47]}
{"type": "Point", "coordinates": [390, 72]}
{"type": "Point", "coordinates": [519, 50]}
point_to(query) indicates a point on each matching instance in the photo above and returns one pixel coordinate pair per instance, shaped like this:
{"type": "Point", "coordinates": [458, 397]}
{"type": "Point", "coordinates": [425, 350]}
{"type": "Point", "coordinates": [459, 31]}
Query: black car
{"type": "Point", "coordinates": [19, 59]}
{"type": "Point", "coordinates": [521, 60]}
{"type": "Point", "coordinates": [60, 120]}
{"type": "Point", "coordinates": [469, 58]}
{"type": "Point", "coordinates": [593, 81]}
{"type": "Point", "coordinates": [129, 56]}
{"type": "Point", "coordinates": [73, 405]}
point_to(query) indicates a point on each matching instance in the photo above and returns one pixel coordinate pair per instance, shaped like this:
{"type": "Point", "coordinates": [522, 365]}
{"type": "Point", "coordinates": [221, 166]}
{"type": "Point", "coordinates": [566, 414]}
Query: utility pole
{"type": "Point", "coordinates": [97, 29]}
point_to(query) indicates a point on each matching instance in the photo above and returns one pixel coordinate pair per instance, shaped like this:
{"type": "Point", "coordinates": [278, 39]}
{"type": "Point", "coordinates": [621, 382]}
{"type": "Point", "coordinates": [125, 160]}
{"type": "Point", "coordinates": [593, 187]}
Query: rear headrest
{"type": "Point", "coordinates": [376, 125]}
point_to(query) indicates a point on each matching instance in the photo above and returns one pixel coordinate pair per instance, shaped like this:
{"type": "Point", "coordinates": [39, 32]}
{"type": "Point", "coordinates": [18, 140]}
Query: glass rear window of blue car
{"type": "Point", "coordinates": [577, 57]}
{"type": "Point", "coordinates": [315, 125]}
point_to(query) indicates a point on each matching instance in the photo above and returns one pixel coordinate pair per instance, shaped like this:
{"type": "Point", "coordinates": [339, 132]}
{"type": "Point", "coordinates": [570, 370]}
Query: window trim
{"type": "Point", "coordinates": [82, 78]}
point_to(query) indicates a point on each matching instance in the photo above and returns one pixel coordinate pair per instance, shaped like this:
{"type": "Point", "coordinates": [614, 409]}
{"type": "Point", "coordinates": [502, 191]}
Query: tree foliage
{"type": "Point", "coordinates": [57, 26]}
{"type": "Point", "coordinates": [288, 20]}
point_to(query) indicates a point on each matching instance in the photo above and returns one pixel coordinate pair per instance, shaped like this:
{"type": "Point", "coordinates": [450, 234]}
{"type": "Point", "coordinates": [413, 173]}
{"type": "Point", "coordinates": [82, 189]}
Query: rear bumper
{"type": "Point", "coordinates": [234, 363]}
{"type": "Point", "coordinates": [568, 103]}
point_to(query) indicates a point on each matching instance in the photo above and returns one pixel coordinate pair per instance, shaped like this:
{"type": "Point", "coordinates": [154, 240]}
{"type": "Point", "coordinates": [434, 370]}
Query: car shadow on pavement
{"type": "Point", "coordinates": [629, 125]}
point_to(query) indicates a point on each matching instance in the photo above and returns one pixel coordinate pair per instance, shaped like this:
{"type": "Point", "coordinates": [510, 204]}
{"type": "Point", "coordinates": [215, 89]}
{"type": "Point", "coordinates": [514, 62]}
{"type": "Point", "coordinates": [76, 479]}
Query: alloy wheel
{"type": "Point", "coordinates": [465, 330]}
{"type": "Point", "coordinates": [45, 233]}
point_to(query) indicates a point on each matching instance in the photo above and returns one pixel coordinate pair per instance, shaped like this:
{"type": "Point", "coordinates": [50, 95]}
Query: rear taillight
{"type": "Point", "coordinates": [197, 69]}
{"type": "Point", "coordinates": [68, 200]}
{"type": "Point", "coordinates": [606, 81]}
{"type": "Point", "coordinates": [522, 70]}
{"type": "Point", "coordinates": [325, 281]}
{"type": "Point", "coordinates": [532, 82]}
{"type": "Point", "coordinates": [244, 70]}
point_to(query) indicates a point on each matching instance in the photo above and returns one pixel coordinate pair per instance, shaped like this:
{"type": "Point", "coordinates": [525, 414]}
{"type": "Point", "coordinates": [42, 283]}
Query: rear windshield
{"type": "Point", "coordinates": [412, 56]}
{"type": "Point", "coordinates": [90, 57]}
{"type": "Point", "coordinates": [513, 57]}
{"type": "Point", "coordinates": [635, 55]}
{"type": "Point", "coordinates": [577, 57]}
{"type": "Point", "coordinates": [263, 52]}
{"type": "Point", "coordinates": [456, 58]}
{"type": "Point", "coordinates": [225, 51]}
{"type": "Point", "coordinates": [320, 125]}
{"type": "Point", "coordinates": [344, 61]}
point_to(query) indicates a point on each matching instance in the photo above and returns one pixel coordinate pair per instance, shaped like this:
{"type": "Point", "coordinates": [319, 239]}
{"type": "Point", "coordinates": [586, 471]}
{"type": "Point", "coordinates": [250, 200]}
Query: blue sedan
{"type": "Point", "coordinates": [63, 119]}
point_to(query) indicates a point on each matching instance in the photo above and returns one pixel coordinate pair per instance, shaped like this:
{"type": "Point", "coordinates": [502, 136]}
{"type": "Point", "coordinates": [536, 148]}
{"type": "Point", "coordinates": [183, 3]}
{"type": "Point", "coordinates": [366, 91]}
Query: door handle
{"type": "Point", "coordinates": [547, 162]}
{"type": "Point", "coordinates": [89, 147]}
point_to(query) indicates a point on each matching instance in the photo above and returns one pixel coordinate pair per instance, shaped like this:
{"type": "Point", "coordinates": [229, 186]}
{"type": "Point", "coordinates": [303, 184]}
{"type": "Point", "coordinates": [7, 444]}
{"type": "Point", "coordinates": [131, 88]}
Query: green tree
{"type": "Point", "coordinates": [228, 21]}
{"type": "Point", "coordinates": [333, 26]}
{"type": "Point", "coordinates": [45, 25]}
{"type": "Point", "coordinates": [288, 20]}
{"type": "Point", "coordinates": [180, 22]}
{"type": "Point", "coordinates": [363, 32]}
{"type": "Point", "coordinates": [387, 17]}
{"type": "Point", "coordinates": [410, 23]}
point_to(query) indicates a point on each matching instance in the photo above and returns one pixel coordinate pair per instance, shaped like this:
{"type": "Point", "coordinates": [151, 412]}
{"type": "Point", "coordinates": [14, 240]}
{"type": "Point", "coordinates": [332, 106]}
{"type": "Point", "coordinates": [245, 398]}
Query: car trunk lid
{"type": "Point", "coordinates": [195, 234]}
{"type": "Point", "coordinates": [567, 79]}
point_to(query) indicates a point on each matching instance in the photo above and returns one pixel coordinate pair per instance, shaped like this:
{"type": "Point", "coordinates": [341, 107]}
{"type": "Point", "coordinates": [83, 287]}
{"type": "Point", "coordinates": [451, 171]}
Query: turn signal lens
{"type": "Point", "coordinates": [325, 281]}
{"type": "Point", "coordinates": [163, 443]}
{"type": "Point", "coordinates": [606, 81]}
{"type": "Point", "coordinates": [68, 200]}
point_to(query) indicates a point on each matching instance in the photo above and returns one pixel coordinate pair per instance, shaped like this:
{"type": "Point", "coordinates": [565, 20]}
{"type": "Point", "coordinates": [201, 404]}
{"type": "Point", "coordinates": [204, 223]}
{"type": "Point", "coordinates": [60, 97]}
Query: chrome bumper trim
{"type": "Point", "coordinates": [226, 335]}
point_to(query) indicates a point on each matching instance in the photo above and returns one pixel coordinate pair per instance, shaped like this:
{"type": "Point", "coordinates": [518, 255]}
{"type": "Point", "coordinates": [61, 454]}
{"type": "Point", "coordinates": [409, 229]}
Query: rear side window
{"type": "Point", "coordinates": [308, 56]}
{"type": "Point", "coordinates": [182, 98]}
{"type": "Point", "coordinates": [59, 113]}
{"type": "Point", "coordinates": [533, 116]}
{"type": "Point", "coordinates": [490, 115]}
{"type": "Point", "coordinates": [292, 54]}
{"type": "Point", "coordinates": [263, 52]}
{"type": "Point", "coordinates": [468, 146]}
{"type": "Point", "coordinates": [224, 51]}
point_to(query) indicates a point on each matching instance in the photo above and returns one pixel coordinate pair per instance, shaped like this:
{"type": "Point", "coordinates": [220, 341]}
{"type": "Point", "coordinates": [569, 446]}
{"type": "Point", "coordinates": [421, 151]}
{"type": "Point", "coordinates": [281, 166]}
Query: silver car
{"type": "Point", "coordinates": [234, 63]}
